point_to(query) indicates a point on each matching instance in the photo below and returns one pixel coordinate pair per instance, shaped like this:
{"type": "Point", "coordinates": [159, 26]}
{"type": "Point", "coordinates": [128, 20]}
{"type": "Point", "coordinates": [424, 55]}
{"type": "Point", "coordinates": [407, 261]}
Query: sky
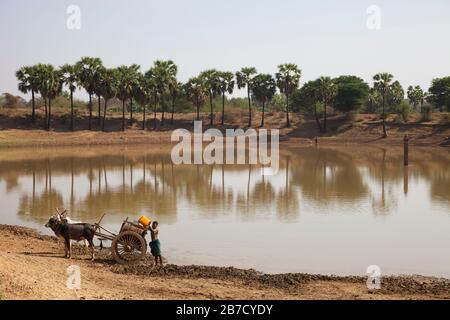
{"type": "Point", "coordinates": [324, 38]}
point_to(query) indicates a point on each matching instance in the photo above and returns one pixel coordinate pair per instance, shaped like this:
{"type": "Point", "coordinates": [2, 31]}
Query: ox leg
{"type": "Point", "coordinates": [70, 249]}
{"type": "Point", "coordinates": [66, 248]}
{"type": "Point", "coordinates": [91, 245]}
{"type": "Point", "coordinates": [86, 245]}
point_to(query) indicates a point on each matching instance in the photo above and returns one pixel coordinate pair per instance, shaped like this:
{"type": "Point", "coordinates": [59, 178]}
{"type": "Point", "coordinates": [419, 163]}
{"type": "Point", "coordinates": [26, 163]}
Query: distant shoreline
{"type": "Point", "coordinates": [17, 130]}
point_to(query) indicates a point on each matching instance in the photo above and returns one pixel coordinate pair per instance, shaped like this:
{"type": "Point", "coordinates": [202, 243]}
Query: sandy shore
{"type": "Point", "coordinates": [32, 267]}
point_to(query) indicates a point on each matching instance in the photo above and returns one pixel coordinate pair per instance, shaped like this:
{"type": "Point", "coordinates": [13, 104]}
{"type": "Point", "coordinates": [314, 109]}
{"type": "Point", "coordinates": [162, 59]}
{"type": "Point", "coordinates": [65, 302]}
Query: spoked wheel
{"type": "Point", "coordinates": [129, 247]}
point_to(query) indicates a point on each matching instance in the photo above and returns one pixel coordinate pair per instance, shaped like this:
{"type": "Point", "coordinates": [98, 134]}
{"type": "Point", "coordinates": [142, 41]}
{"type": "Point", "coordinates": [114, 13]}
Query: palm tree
{"type": "Point", "coordinates": [174, 88]}
{"type": "Point", "coordinates": [412, 97]}
{"type": "Point", "coordinates": [288, 79]}
{"type": "Point", "coordinates": [89, 69]}
{"type": "Point", "coordinates": [165, 73]}
{"type": "Point", "coordinates": [143, 93]}
{"type": "Point", "coordinates": [127, 79]}
{"type": "Point", "coordinates": [135, 76]}
{"type": "Point", "coordinates": [244, 79]}
{"type": "Point", "coordinates": [108, 89]}
{"type": "Point", "coordinates": [396, 95]}
{"type": "Point", "coordinates": [40, 70]}
{"type": "Point", "coordinates": [416, 96]}
{"type": "Point", "coordinates": [196, 92]}
{"type": "Point", "coordinates": [328, 91]}
{"type": "Point", "coordinates": [69, 75]}
{"type": "Point", "coordinates": [29, 81]}
{"type": "Point", "coordinates": [374, 100]}
{"type": "Point", "coordinates": [43, 72]}
{"type": "Point", "coordinates": [51, 83]}
{"type": "Point", "coordinates": [154, 93]}
{"type": "Point", "coordinates": [264, 88]}
{"type": "Point", "coordinates": [226, 85]}
{"type": "Point", "coordinates": [423, 98]}
{"type": "Point", "coordinates": [211, 81]}
{"type": "Point", "coordinates": [382, 83]}
{"type": "Point", "coordinates": [98, 80]}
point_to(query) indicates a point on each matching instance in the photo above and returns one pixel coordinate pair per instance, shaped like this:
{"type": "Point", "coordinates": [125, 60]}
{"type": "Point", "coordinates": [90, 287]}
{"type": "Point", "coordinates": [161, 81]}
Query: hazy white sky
{"type": "Point", "coordinates": [323, 37]}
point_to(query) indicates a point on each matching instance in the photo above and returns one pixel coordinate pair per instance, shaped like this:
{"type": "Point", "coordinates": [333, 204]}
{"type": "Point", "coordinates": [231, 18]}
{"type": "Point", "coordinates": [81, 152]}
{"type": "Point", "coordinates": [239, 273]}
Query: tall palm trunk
{"type": "Point", "coordinates": [325, 103]}
{"type": "Point", "coordinates": [131, 111]}
{"type": "Point", "coordinates": [46, 111]}
{"type": "Point", "coordinates": [249, 106]}
{"type": "Point", "coordinates": [71, 110]}
{"type": "Point", "coordinates": [99, 114]}
{"type": "Point", "coordinates": [90, 112]}
{"type": "Point", "coordinates": [154, 117]}
{"type": "Point", "coordinates": [173, 109]}
{"type": "Point", "coordinates": [223, 107]}
{"type": "Point", "coordinates": [262, 116]}
{"type": "Point", "coordinates": [33, 107]}
{"type": "Point", "coordinates": [123, 115]}
{"type": "Point", "coordinates": [104, 114]}
{"type": "Point", "coordinates": [163, 106]}
{"type": "Point", "coordinates": [384, 116]}
{"type": "Point", "coordinates": [211, 110]}
{"type": "Point", "coordinates": [49, 113]}
{"type": "Point", "coordinates": [143, 117]}
{"type": "Point", "coordinates": [288, 122]}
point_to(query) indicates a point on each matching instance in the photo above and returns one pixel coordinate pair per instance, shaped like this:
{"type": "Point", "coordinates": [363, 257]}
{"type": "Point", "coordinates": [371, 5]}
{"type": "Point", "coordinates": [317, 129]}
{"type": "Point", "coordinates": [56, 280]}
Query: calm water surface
{"type": "Point", "coordinates": [328, 210]}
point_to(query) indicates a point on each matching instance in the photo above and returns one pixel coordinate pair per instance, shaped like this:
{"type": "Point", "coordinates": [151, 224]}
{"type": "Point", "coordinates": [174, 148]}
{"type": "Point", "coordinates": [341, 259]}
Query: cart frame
{"type": "Point", "coordinates": [129, 245]}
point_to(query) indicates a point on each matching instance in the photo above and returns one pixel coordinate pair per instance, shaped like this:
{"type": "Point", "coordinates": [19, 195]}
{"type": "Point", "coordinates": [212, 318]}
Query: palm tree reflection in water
{"type": "Point", "coordinates": [134, 183]}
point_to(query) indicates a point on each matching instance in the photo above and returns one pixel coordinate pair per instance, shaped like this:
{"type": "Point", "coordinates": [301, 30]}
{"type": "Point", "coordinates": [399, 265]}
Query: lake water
{"type": "Point", "coordinates": [333, 210]}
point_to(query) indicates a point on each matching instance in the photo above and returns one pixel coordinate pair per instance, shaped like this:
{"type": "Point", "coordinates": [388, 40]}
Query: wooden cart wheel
{"type": "Point", "coordinates": [129, 247]}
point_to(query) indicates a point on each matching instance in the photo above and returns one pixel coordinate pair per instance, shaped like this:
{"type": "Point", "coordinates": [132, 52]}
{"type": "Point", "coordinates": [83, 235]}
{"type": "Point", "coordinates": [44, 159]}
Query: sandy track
{"type": "Point", "coordinates": [32, 267]}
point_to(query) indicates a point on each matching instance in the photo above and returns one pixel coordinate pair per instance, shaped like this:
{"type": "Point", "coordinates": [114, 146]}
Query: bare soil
{"type": "Point", "coordinates": [17, 129]}
{"type": "Point", "coordinates": [32, 267]}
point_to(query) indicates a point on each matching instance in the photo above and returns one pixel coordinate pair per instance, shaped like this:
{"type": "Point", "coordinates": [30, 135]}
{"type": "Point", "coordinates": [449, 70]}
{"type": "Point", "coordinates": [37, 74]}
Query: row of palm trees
{"type": "Point", "coordinates": [158, 85]}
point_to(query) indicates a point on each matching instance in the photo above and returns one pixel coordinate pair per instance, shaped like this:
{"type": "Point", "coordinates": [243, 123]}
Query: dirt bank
{"type": "Point", "coordinates": [17, 129]}
{"type": "Point", "coordinates": [32, 267]}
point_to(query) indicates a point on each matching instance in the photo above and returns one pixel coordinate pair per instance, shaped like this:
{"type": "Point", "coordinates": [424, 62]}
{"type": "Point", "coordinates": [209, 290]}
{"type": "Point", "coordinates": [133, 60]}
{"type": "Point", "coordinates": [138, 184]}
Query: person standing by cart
{"type": "Point", "coordinates": [155, 245]}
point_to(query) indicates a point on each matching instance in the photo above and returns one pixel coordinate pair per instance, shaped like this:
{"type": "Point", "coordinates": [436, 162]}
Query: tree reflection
{"type": "Point", "coordinates": [129, 184]}
{"type": "Point", "coordinates": [326, 176]}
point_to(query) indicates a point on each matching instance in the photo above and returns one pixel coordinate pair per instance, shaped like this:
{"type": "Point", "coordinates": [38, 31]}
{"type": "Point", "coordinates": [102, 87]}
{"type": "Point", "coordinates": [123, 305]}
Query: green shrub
{"type": "Point", "coordinates": [403, 111]}
{"type": "Point", "coordinates": [426, 113]}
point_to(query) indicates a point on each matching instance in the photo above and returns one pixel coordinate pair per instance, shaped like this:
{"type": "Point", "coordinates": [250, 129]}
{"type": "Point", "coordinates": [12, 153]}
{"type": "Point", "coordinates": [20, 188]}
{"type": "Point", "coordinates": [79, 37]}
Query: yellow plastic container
{"type": "Point", "coordinates": [144, 221]}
